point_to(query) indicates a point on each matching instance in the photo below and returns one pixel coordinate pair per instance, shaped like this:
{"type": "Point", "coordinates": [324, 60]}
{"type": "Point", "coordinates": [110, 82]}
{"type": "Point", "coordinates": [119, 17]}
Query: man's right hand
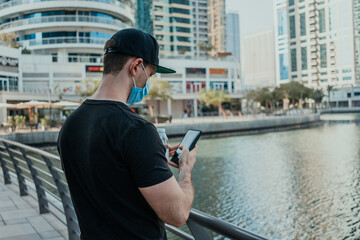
{"type": "Point", "coordinates": [186, 159]}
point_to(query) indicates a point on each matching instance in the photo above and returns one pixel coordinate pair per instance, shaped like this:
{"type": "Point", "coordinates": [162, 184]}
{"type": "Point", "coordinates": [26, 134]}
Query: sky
{"type": "Point", "coordinates": [255, 15]}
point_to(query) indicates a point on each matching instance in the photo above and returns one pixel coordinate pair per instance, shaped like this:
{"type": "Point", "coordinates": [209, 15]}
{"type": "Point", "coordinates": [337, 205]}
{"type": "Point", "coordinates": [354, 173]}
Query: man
{"type": "Point", "coordinates": [114, 161]}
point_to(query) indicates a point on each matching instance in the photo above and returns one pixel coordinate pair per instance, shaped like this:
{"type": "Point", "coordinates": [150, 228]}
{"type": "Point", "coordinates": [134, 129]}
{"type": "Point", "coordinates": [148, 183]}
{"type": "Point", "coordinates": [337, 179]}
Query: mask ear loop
{"type": "Point", "coordinates": [132, 75]}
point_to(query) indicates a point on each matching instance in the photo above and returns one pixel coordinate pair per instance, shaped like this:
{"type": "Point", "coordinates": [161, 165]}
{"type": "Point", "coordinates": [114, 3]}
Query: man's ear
{"type": "Point", "coordinates": [134, 66]}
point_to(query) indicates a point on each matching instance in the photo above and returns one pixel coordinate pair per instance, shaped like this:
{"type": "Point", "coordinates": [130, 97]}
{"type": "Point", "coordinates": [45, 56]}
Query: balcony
{"type": "Point", "coordinates": [62, 18]}
{"type": "Point", "coordinates": [115, 7]}
{"type": "Point", "coordinates": [63, 41]}
{"type": "Point", "coordinates": [21, 2]}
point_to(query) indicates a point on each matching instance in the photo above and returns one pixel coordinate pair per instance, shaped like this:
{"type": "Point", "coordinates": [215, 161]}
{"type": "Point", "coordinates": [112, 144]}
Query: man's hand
{"type": "Point", "coordinates": [186, 158]}
{"type": "Point", "coordinates": [172, 200]}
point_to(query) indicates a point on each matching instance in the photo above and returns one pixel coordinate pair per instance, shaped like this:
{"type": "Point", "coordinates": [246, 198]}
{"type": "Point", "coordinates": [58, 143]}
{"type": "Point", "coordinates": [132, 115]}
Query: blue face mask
{"type": "Point", "coordinates": [138, 94]}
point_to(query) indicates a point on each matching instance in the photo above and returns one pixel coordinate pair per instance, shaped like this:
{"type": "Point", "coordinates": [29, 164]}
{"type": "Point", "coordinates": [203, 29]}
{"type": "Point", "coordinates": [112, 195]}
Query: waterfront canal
{"type": "Point", "coordinates": [299, 184]}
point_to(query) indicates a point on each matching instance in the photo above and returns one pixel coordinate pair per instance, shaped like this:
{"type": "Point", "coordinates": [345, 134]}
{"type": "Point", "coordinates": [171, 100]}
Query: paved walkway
{"type": "Point", "coordinates": [20, 218]}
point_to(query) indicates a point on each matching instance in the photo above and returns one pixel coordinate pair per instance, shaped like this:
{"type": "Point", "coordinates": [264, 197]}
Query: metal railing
{"type": "Point", "coordinates": [64, 18]}
{"type": "Point", "coordinates": [39, 175]}
{"type": "Point", "coordinates": [63, 40]}
{"type": "Point", "coordinates": [14, 3]}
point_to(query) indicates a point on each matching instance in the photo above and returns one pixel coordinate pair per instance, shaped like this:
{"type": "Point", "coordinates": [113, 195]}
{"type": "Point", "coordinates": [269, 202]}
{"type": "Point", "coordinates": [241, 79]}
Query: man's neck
{"type": "Point", "coordinates": [112, 88]}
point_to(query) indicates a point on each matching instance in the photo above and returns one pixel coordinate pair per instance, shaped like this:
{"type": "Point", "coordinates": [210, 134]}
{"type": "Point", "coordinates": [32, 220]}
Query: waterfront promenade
{"type": "Point", "coordinates": [20, 218]}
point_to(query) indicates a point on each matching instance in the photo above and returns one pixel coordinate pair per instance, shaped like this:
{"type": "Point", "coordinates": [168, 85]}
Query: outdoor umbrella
{"type": "Point", "coordinates": [7, 105]}
{"type": "Point", "coordinates": [31, 104]}
{"type": "Point", "coordinates": [66, 104]}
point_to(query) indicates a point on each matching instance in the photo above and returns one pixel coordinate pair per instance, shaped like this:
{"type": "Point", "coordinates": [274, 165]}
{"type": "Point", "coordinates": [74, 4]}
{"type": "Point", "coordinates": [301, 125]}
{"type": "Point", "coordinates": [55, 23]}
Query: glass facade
{"type": "Point", "coordinates": [8, 83]}
{"type": "Point", "coordinates": [323, 56]}
{"type": "Point", "coordinates": [284, 66]}
{"type": "Point", "coordinates": [322, 20]}
{"type": "Point", "coordinates": [144, 16]}
{"type": "Point", "coordinates": [282, 23]}
{"type": "Point", "coordinates": [293, 60]}
{"type": "Point", "coordinates": [292, 27]}
{"type": "Point", "coordinates": [302, 24]}
{"type": "Point", "coordinates": [303, 58]}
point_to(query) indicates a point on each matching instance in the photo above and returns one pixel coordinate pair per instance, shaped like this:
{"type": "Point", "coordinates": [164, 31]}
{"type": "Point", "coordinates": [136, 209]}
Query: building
{"type": "Point", "coordinates": [144, 16]}
{"type": "Point", "coordinates": [346, 97]}
{"type": "Point", "coordinates": [67, 31]}
{"type": "Point", "coordinates": [233, 35]}
{"type": "Point", "coordinates": [322, 41]}
{"type": "Point", "coordinates": [281, 41]}
{"type": "Point", "coordinates": [173, 27]}
{"type": "Point", "coordinates": [200, 22]}
{"type": "Point", "coordinates": [259, 64]}
{"type": "Point", "coordinates": [217, 26]}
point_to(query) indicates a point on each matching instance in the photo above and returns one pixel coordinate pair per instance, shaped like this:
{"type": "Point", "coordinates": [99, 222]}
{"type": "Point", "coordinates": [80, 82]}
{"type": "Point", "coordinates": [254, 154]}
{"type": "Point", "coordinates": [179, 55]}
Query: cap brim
{"type": "Point", "coordinates": [161, 69]}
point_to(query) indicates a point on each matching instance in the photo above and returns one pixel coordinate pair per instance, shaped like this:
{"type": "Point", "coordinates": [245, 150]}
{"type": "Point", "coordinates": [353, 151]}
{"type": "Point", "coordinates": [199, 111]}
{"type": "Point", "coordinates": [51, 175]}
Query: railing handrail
{"type": "Point", "coordinates": [64, 18]}
{"type": "Point", "coordinates": [198, 221]}
{"type": "Point", "coordinates": [63, 40]}
{"type": "Point", "coordinates": [19, 2]}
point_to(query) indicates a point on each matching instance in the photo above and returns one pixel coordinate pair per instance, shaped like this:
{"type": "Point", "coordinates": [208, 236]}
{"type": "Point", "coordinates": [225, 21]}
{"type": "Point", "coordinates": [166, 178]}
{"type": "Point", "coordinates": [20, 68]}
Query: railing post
{"type": "Point", "coordinates": [71, 219]}
{"type": "Point", "coordinates": [7, 178]}
{"type": "Point", "coordinates": [43, 202]}
{"type": "Point", "coordinates": [197, 231]}
{"type": "Point", "coordinates": [22, 185]}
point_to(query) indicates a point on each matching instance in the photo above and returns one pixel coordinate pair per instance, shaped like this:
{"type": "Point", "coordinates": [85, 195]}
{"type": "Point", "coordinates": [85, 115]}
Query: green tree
{"type": "Point", "coordinates": [264, 97]}
{"type": "Point", "coordinates": [329, 89]}
{"type": "Point", "coordinates": [295, 91]}
{"type": "Point", "coordinates": [160, 90]}
{"type": "Point", "coordinates": [214, 97]}
{"type": "Point", "coordinates": [317, 95]}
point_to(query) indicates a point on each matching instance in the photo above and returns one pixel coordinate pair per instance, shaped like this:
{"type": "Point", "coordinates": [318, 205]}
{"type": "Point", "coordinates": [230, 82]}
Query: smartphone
{"type": "Point", "coordinates": [190, 139]}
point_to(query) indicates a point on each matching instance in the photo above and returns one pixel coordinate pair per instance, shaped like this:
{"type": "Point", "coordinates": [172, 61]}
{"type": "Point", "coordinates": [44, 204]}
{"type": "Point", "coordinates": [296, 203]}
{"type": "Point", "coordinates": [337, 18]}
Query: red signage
{"type": "Point", "coordinates": [94, 68]}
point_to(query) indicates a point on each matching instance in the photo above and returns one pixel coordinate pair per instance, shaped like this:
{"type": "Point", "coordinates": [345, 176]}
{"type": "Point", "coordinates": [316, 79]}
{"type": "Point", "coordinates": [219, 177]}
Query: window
{"type": "Point", "coordinates": [291, 3]}
{"type": "Point", "coordinates": [292, 27]}
{"type": "Point", "coordinates": [322, 20]}
{"type": "Point", "coordinates": [284, 66]}
{"type": "Point", "coordinates": [54, 57]}
{"type": "Point", "coordinates": [302, 24]}
{"type": "Point", "coordinates": [303, 58]}
{"type": "Point", "coordinates": [346, 78]}
{"type": "Point", "coordinates": [282, 22]}
{"type": "Point", "coordinates": [293, 60]}
{"type": "Point", "coordinates": [323, 56]}
{"type": "Point", "coordinates": [357, 94]}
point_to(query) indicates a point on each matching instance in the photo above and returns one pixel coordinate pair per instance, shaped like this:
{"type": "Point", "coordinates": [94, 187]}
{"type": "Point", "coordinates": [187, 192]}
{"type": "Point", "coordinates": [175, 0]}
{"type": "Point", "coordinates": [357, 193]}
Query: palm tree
{"type": "Point", "coordinates": [214, 97]}
{"type": "Point", "coordinates": [329, 89]}
{"type": "Point", "coordinates": [160, 90]}
{"type": "Point", "coordinates": [317, 95]}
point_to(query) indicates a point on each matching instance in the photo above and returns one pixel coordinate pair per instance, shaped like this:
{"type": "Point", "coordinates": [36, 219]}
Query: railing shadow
{"type": "Point", "coordinates": [43, 169]}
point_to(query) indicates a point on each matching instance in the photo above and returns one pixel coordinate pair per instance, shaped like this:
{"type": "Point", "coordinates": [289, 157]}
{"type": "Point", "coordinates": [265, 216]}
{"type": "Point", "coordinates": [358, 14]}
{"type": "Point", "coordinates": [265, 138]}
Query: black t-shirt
{"type": "Point", "coordinates": [108, 152]}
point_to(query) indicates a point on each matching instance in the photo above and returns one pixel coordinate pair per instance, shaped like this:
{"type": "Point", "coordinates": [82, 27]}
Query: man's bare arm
{"type": "Point", "coordinates": [172, 200]}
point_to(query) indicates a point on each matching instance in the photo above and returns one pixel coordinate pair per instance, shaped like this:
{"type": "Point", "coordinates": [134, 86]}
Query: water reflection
{"type": "Point", "coordinates": [300, 184]}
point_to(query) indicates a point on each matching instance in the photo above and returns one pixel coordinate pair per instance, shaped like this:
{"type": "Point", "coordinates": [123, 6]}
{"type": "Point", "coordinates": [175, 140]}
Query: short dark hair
{"type": "Point", "coordinates": [114, 62]}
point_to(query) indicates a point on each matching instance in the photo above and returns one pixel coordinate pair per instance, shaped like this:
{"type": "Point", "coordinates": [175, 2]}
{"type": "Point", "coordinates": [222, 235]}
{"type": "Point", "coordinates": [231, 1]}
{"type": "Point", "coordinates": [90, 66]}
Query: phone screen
{"type": "Point", "coordinates": [188, 140]}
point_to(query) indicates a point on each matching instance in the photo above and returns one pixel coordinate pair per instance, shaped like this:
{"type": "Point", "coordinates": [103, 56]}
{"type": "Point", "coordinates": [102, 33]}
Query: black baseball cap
{"type": "Point", "coordinates": [140, 44]}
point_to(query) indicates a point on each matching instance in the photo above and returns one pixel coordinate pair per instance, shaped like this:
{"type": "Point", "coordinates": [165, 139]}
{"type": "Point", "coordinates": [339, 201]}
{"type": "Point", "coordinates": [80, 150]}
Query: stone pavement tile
{"type": "Point", "coordinates": [40, 224]}
{"type": "Point", "coordinates": [64, 233]}
{"type": "Point", "coordinates": [25, 237]}
{"type": "Point", "coordinates": [57, 238]}
{"type": "Point", "coordinates": [16, 221]}
{"type": "Point", "coordinates": [19, 213]}
{"type": "Point", "coordinates": [50, 234]}
{"type": "Point", "coordinates": [16, 231]}
{"type": "Point", "coordinates": [20, 202]}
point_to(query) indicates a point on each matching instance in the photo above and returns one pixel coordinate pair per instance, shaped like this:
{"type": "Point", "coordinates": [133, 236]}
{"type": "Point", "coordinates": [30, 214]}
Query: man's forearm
{"type": "Point", "coordinates": [185, 183]}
